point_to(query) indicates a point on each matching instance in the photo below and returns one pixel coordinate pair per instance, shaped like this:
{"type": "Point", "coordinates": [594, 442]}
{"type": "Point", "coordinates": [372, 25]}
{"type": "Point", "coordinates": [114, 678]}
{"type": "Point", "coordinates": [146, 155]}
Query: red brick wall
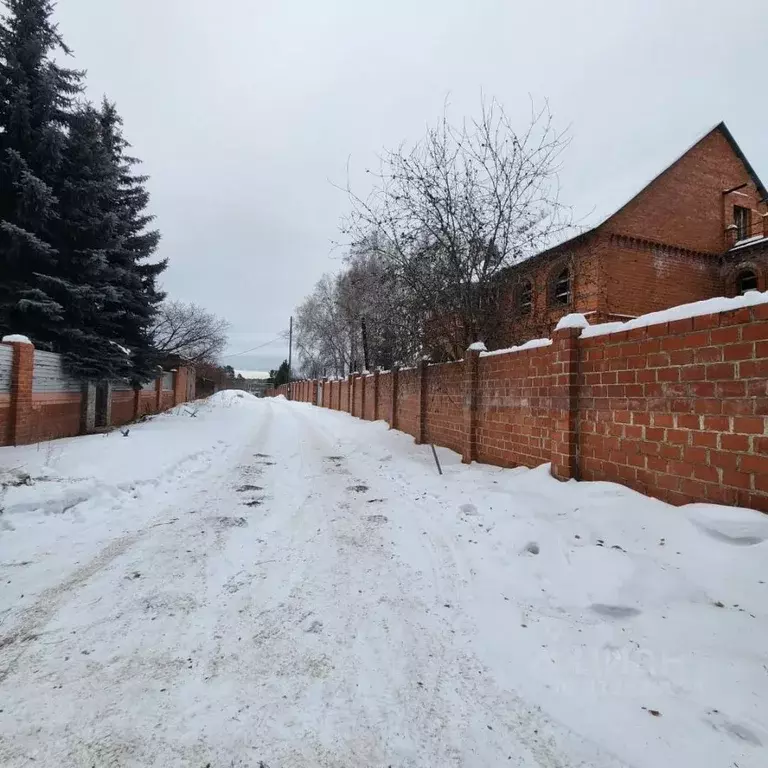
{"type": "Point", "coordinates": [680, 410]}
{"type": "Point", "coordinates": [675, 410]}
{"type": "Point", "coordinates": [5, 424]}
{"type": "Point", "coordinates": [408, 401]}
{"type": "Point", "coordinates": [385, 396]}
{"type": "Point", "coordinates": [122, 407]}
{"type": "Point", "coordinates": [684, 205]}
{"type": "Point", "coordinates": [55, 415]}
{"type": "Point", "coordinates": [342, 401]}
{"type": "Point", "coordinates": [445, 413]}
{"type": "Point", "coordinates": [645, 278]}
{"type": "Point", "coordinates": [147, 403]}
{"type": "Point", "coordinates": [357, 402]}
{"type": "Point", "coordinates": [166, 400]}
{"type": "Point", "coordinates": [369, 397]}
{"type": "Point", "coordinates": [514, 416]}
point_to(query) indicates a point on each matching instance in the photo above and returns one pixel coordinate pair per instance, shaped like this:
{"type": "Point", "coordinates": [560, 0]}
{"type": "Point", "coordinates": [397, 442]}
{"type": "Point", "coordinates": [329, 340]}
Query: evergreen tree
{"type": "Point", "coordinates": [136, 296]}
{"type": "Point", "coordinates": [282, 375]}
{"type": "Point", "coordinates": [86, 233]}
{"type": "Point", "coordinates": [36, 96]}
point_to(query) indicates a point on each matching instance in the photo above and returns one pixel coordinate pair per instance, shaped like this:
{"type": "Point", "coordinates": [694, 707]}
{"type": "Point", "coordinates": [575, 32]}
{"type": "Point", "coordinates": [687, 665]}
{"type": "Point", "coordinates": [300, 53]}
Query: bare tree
{"type": "Point", "coordinates": [190, 332]}
{"type": "Point", "coordinates": [450, 214]}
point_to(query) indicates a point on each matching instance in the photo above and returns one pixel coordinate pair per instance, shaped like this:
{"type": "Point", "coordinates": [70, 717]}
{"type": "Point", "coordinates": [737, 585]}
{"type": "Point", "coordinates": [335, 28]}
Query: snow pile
{"type": "Point", "coordinates": [574, 320]}
{"type": "Point", "coordinates": [532, 344]}
{"type": "Point", "coordinates": [229, 397]}
{"type": "Point", "coordinates": [682, 312]}
{"type": "Point", "coordinates": [478, 346]}
{"type": "Point", "coordinates": [16, 338]}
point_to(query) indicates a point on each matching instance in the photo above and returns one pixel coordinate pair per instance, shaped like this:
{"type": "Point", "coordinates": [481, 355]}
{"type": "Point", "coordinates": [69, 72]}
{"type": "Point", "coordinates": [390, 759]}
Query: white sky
{"type": "Point", "coordinates": [244, 111]}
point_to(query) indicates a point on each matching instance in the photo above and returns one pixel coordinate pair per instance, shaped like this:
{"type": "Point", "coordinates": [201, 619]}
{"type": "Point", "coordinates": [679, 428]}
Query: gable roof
{"type": "Point", "coordinates": [728, 136]}
{"type": "Point", "coordinates": [571, 241]}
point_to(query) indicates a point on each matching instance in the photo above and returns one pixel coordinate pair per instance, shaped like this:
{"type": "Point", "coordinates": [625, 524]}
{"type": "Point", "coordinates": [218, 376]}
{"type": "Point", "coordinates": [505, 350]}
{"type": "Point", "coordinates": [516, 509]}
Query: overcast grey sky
{"type": "Point", "coordinates": [244, 111]}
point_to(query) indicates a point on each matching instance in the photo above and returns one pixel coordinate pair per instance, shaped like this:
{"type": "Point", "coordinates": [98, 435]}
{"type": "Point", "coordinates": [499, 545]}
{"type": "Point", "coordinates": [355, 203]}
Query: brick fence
{"type": "Point", "coordinates": [38, 401]}
{"type": "Point", "coordinates": [677, 410]}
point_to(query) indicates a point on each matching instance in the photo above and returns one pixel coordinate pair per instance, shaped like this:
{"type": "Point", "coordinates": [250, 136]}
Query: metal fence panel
{"type": "Point", "coordinates": [49, 374]}
{"type": "Point", "coordinates": [6, 367]}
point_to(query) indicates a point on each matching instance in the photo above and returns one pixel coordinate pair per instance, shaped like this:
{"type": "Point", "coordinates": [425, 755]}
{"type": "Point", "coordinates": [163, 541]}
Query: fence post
{"type": "Point", "coordinates": [88, 408]}
{"type": "Point", "coordinates": [471, 369]}
{"type": "Point", "coordinates": [376, 395]}
{"type": "Point", "coordinates": [565, 395]}
{"type": "Point", "coordinates": [395, 382]}
{"type": "Point", "coordinates": [180, 385]}
{"type": "Point", "coordinates": [421, 426]}
{"type": "Point", "coordinates": [21, 392]}
{"type": "Point", "coordinates": [159, 393]}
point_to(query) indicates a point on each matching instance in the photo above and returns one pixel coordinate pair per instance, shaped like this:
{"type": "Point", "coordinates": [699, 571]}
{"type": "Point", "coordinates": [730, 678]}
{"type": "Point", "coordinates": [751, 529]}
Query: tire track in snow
{"type": "Point", "coordinates": [467, 692]}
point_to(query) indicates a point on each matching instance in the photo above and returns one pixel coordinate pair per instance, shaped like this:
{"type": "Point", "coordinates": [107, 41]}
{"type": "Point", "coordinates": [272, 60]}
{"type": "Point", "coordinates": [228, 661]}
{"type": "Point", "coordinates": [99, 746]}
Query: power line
{"type": "Point", "coordinates": [253, 349]}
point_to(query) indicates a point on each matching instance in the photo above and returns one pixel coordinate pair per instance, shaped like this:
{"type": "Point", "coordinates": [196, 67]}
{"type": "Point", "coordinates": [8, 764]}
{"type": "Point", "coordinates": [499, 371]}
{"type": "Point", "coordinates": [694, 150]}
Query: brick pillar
{"type": "Point", "coordinates": [565, 392]}
{"type": "Point", "coordinates": [471, 369]}
{"type": "Point", "coordinates": [350, 394]}
{"type": "Point", "coordinates": [376, 395]}
{"type": "Point", "coordinates": [136, 404]}
{"type": "Point", "coordinates": [180, 378]}
{"type": "Point", "coordinates": [158, 393]}
{"type": "Point", "coordinates": [421, 425]}
{"type": "Point", "coordinates": [362, 395]}
{"type": "Point", "coordinates": [20, 415]}
{"type": "Point", "coordinates": [395, 387]}
{"type": "Point", "coordinates": [325, 386]}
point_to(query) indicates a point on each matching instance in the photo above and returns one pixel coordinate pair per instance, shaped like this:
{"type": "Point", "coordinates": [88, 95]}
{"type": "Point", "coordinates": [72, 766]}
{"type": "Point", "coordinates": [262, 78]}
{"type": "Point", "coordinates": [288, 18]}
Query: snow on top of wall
{"type": "Point", "coordinates": [574, 320]}
{"type": "Point", "coordinates": [16, 338]}
{"type": "Point", "coordinates": [478, 346]}
{"type": "Point", "coordinates": [532, 344]}
{"type": "Point", "coordinates": [695, 309]}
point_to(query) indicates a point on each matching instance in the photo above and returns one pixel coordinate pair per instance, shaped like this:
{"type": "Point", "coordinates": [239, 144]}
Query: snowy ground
{"type": "Point", "coordinates": [268, 583]}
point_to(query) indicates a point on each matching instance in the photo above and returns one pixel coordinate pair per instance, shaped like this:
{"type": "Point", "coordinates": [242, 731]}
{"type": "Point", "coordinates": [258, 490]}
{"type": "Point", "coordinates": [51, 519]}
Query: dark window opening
{"type": "Point", "coordinates": [746, 281]}
{"type": "Point", "coordinates": [525, 298]}
{"type": "Point", "coordinates": [741, 218]}
{"type": "Point", "coordinates": [561, 289]}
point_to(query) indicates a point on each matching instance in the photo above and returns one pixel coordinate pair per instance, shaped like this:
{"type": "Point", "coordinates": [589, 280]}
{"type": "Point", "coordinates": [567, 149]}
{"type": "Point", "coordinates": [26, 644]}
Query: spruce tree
{"type": "Point", "coordinates": [86, 233]}
{"type": "Point", "coordinates": [134, 274]}
{"type": "Point", "coordinates": [36, 96]}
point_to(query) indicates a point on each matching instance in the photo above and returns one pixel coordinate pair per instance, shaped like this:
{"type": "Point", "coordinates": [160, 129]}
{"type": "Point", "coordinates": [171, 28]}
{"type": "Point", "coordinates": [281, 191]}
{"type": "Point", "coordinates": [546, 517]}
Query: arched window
{"type": "Point", "coordinates": [525, 297]}
{"type": "Point", "coordinates": [746, 281]}
{"type": "Point", "coordinates": [561, 287]}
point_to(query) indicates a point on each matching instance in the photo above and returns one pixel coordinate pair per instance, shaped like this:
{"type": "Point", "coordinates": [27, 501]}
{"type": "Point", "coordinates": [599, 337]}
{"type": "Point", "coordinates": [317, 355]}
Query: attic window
{"type": "Point", "coordinates": [525, 297]}
{"type": "Point", "coordinates": [746, 281]}
{"type": "Point", "coordinates": [561, 288]}
{"type": "Point", "coordinates": [741, 218]}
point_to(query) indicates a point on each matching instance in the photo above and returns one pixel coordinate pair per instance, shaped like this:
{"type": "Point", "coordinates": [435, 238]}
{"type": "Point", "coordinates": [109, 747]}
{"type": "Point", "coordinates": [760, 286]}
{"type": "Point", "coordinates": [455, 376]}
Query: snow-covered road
{"type": "Point", "coordinates": [267, 583]}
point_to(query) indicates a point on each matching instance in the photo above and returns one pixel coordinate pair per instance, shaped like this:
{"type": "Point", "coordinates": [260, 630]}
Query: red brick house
{"type": "Point", "coordinates": [697, 231]}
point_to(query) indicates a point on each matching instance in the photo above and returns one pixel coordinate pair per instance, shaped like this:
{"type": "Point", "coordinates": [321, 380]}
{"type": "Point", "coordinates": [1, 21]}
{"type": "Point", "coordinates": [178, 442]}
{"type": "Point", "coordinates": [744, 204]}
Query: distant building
{"type": "Point", "coordinates": [697, 231]}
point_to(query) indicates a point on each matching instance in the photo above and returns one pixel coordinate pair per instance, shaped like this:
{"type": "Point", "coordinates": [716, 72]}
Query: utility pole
{"type": "Point", "coordinates": [290, 356]}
